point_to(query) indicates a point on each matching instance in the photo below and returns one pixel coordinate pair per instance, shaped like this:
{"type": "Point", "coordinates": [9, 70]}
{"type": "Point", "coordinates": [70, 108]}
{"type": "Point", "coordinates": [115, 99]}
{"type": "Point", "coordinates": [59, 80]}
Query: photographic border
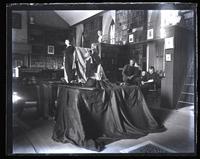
{"type": "Point", "coordinates": [86, 6]}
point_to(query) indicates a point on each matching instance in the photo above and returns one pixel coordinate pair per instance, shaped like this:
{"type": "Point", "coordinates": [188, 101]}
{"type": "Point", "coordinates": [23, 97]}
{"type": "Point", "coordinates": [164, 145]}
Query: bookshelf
{"type": "Point", "coordinates": [40, 37]}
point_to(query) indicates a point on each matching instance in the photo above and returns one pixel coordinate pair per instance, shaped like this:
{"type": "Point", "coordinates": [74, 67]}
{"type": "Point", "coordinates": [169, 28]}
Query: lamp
{"type": "Point", "coordinates": [32, 20]}
{"type": "Point", "coordinates": [15, 97]}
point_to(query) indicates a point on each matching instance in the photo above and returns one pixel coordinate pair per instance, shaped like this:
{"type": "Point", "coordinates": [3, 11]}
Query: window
{"type": "Point", "coordinates": [168, 17]}
{"type": "Point", "coordinates": [16, 21]}
{"type": "Point", "coordinates": [112, 32]}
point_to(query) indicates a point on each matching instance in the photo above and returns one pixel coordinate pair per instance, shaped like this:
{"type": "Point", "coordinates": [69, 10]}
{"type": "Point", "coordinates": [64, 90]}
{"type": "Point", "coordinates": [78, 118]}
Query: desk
{"type": "Point", "coordinates": [118, 112]}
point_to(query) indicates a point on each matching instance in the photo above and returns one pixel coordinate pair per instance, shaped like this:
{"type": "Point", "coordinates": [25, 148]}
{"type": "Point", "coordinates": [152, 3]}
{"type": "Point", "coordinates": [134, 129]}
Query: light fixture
{"type": "Point", "coordinates": [150, 34]}
{"type": "Point", "coordinates": [169, 17]}
{"type": "Point", "coordinates": [15, 97]}
{"type": "Point", "coordinates": [32, 20]}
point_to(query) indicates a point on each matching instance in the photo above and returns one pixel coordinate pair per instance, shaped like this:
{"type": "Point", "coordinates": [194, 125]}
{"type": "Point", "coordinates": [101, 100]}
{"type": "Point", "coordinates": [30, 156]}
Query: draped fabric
{"type": "Point", "coordinates": [81, 54]}
{"type": "Point", "coordinates": [47, 96]}
{"type": "Point", "coordinates": [89, 118]}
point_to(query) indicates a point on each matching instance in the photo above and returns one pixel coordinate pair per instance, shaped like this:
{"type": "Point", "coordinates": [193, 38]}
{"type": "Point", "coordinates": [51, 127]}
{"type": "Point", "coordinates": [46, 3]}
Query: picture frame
{"type": "Point", "coordinates": [50, 49]}
{"type": "Point", "coordinates": [131, 38]}
{"type": "Point", "coordinates": [150, 34]}
{"type": "Point", "coordinates": [168, 57]}
{"type": "Point", "coordinates": [169, 43]}
{"type": "Point", "coordinates": [41, 57]}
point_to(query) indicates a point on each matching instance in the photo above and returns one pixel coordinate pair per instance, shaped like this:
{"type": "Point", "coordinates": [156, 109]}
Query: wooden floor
{"type": "Point", "coordinates": [33, 135]}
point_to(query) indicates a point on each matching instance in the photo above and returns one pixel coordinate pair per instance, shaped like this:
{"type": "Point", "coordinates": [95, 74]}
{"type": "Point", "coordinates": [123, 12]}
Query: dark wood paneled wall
{"type": "Point", "coordinates": [126, 20]}
{"type": "Point", "coordinates": [176, 69]}
{"type": "Point", "coordinates": [113, 58]}
{"type": "Point", "coordinates": [90, 31]}
{"type": "Point", "coordinates": [184, 50]}
{"type": "Point", "coordinates": [39, 38]}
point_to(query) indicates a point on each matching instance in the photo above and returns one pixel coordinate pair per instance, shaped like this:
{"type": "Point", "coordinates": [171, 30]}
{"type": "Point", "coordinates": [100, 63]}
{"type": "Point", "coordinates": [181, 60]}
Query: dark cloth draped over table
{"type": "Point", "coordinates": [88, 118]}
{"type": "Point", "coordinates": [48, 96]}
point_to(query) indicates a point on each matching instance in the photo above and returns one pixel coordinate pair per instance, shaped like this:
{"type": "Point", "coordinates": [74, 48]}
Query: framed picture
{"type": "Point", "coordinates": [168, 57]}
{"type": "Point", "coordinates": [169, 43]}
{"type": "Point", "coordinates": [50, 49]}
{"type": "Point", "coordinates": [150, 34]}
{"type": "Point", "coordinates": [131, 38]}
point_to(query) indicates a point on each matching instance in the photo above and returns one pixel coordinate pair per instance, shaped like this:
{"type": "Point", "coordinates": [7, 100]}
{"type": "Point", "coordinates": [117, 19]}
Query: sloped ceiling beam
{"type": "Point", "coordinates": [75, 16]}
{"type": "Point", "coordinates": [48, 18]}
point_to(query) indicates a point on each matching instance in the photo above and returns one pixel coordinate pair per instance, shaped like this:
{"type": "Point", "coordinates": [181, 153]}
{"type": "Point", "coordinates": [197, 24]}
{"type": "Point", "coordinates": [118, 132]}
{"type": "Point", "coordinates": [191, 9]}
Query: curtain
{"type": "Point", "coordinates": [79, 63]}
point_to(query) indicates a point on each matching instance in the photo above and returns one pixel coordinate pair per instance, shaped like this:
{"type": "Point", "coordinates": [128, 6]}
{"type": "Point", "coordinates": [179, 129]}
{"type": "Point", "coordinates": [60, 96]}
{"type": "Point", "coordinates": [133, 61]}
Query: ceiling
{"type": "Point", "coordinates": [48, 18]}
{"type": "Point", "coordinates": [75, 16]}
{"type": "Point", "coordinates": [62, 19]}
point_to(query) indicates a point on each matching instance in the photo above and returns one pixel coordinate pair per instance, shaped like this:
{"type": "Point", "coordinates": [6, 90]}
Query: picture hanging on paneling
{"type": "Point", "coordinates": [131, 38]}
{"type": "Point", "coordinates": [150, 34]}
{"type": "Point", "coordinates": [169, 43]}
{"type": "Point", "coordinates": [50, 49]}
{"type": "Point", "coordinates": [168, 57]}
